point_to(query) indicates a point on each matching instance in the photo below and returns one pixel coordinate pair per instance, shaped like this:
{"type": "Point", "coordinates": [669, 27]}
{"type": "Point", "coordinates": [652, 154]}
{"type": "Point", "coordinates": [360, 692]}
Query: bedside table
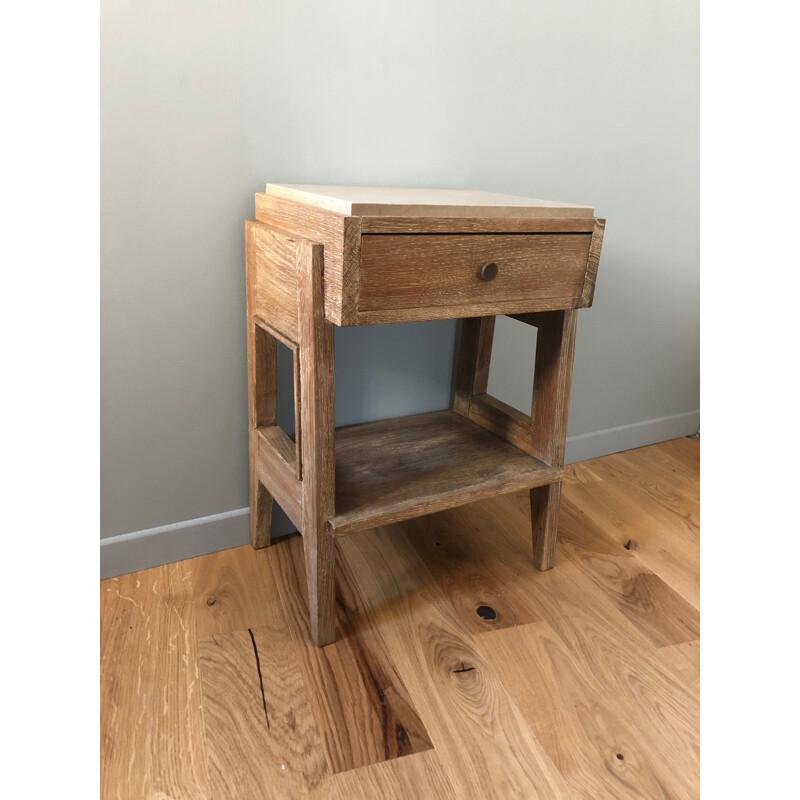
{"type": "Point", "coordinates": [321, 256]}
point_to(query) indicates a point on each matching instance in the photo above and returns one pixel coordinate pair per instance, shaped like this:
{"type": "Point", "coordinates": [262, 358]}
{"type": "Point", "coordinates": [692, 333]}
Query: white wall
{"type": "Point", "coordinates": [203, 102]}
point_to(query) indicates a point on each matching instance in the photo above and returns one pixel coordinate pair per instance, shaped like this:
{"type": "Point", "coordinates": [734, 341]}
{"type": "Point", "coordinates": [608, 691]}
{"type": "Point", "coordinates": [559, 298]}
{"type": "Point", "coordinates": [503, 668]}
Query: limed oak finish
{"type": "Point", "coordinates": [319, 257]}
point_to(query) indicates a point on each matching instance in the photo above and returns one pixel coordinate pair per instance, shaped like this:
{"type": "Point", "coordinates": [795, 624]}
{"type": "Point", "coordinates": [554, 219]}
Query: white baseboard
{"type": "Point", "coordinates": [130, 552]}
{"type": "Point", "coordinates": [627, 437]}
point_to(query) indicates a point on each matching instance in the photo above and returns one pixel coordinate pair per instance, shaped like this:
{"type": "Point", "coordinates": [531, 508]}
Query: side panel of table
{"type": "Point", "coordinates": [543, 433]}
{"type": "Point", "coordinates": [285, 302]}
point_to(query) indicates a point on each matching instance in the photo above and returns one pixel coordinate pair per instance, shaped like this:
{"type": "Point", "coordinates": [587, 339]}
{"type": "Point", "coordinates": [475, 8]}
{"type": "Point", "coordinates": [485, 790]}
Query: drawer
{"type": "Point", "coordinates": [386, 266]}
{"type": "Point", "coordinates": [446, 275]}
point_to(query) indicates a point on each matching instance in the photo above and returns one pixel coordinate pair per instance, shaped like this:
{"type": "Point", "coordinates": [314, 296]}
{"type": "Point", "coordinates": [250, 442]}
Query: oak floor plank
{"type": "Point", "coordinates": [476, 566]}
{"type": "Point", "coordinates": [592, 658]}
{"type": "Point", "coordinates": [578, 725]}
{"type": "Point", "coordinates": [658, 611]}
{"type": "Point", "coordinates": [629, 671]}
{"type": "Point", "coordinates": [232, 592]}
{"type": "Point", "coordinates": [485, 744]}
{"type": "Point", "coordinates": [362, 707]}
{"type": "Point", "coordinates": [485, 591]}
{"type": "Point", "coordinates": [248, 759]}
{"type": "Point", "coordinates": [633, 674]}
{"type": "Point", "coordinates": [621, 658]}
{"type": "Point", "coordinates": [685, 449]}
{"type": "Point", "coordinates": [665, 540]}
{"type": "Point", "coordinates": [262, 737]}
{"type": "Point", "coordinates": [580, 472]}
{"type": "Point", "coordinates": [151, 721]}
{"type": "Point", "coordinates": [685, 658]}
{"type": "Point", "coordinates": [653, 469]}
{"type": "Point", "coordinates": [419, 775]}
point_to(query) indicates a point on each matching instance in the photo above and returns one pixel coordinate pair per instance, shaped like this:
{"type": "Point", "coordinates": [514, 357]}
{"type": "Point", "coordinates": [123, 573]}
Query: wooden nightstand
{"type": "Point", "coordinates": [319, 256]}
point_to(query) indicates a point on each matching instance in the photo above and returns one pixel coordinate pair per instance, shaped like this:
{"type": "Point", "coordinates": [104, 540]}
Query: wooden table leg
{"type": "Point", "coordinates": [555, 351]}
{"type": "Point", "coordinates": [262, 397]}
{"type": "Point", "coordinates": [545, 503]}
{"type": "Point", "coordinates": [317, 419]}
{"type": "Point", "coordinates": [477, 335]}
{"type": "Point", "coordinates": [260, 502]}
{"type": "Point", "coordinates": [544, 433]}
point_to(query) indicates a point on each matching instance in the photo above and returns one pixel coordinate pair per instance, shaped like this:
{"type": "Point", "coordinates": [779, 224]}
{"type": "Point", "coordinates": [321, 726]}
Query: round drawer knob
{"type": "Point", "coordinates": [489, 271]}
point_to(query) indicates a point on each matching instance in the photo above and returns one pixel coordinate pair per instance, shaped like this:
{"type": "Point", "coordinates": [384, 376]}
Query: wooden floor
{"type": "Point", "coordinates": [460, 670]}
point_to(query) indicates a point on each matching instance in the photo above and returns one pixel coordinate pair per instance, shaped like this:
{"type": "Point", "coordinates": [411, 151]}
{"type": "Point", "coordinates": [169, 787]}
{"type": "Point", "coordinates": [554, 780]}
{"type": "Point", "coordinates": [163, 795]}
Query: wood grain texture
{"type": "Point", "coordinates": [475, 225]}
{"type": "Point", "coordinates": [620, 656]}
{"type": "Point", "coordinates": [456, 310]}
{"type": "Point", "coordinates": [351, 270]}
{"type": "Point", "coordinates": [552, 381]}
{"type": "Point", "coordinates": [640, 494]}
{"type": "Point", "coordinates": [261, 501]}
{"type": "Point", "coordinates": [631, 673]}
{"type": "Point", "coordinates": [318, 414]}
{"type": "Point", "coordinates": [484, 744]}
{"type": "Point", "coordinates": [685, 661]}
{"type": "Point", "coordinates": [587, 296]}
{"type": "Point", "coordinates": [271, 264]}
{"type": "Point", "coordinates": [277, 468]}
{"type": "Point", "coordinates": [685, 451]}
{"type": "Point", "coordinates": [475, 351]}
{"type": "Point", "coordinates": [629, 670]}
{"type": "Point", "coordinates": [254, 753]}
{"type": "Point", "coordinates": [361, 704]}
{"type": "Point", "coordinates": [648, 602]}
{"type": "Point", "coordinates": [471, 570]}
{"type": "Point", "coordinates": [263, 386]}
{"type": "Point", "coordinates": [152, 737]}
{"type": "Point", "coordinates": [536, 702]}
{"type": "Point", "coordinates": [274, 438]}
{"type": "Point", "coordinates": [501, 419]}
{"type": "Point", "coordinates": [409, 272]}
{"type": "Point", "coordinates": [266, 342]}
{"type": "Point", "coordinates": [298, 416]}
{"type": "Point", "coordinates": [581, 730]}
{"type": "Point", "coordinates": [416, 775]}
{"type": "Point", "coordinates": [262, 397]}
{"type": "Point", "coordinates": [344, 233]}
{"type": "Point", "coordinates": [232, 592]}
{"type": "Point", "coordinates": [665, 480]}
{"type": "Point", "coordinates": [543, 433]}
{"type": "Point", "coordinates": [545, 503]}
{"type": "Point", "coordinates": [339, 274]}
{"type": "Point", "coordinates": [396, 469]}
{"type": "Point", "coordinates": [262, 736]}
{"type": "Point", "coordinates": [671, 470]}
{"type": "Point", "coordinates": [325, 227]}
{"type": "Point", "coordinates": [480, 380]}
{"type": "Point", "coordinates": [467, 361]}
{"type": "Point", "coordinates": [668, 546]}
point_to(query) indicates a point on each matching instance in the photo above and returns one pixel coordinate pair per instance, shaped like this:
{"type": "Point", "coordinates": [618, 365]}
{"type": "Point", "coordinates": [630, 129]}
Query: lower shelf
{"type": "Point", "coordinates": [401, 468]}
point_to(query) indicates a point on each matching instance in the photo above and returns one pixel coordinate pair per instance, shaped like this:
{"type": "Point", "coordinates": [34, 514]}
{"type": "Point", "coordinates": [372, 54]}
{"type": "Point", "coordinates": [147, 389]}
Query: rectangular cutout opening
{"type": "Point", "coordinates": [513, 361]}
{"type": "Point", "coordinates": [282, 430]}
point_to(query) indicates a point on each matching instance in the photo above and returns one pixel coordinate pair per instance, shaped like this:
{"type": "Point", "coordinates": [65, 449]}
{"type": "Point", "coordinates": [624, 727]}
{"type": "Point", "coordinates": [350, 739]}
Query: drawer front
{"type": "Point", "coordinates": [444, 273]}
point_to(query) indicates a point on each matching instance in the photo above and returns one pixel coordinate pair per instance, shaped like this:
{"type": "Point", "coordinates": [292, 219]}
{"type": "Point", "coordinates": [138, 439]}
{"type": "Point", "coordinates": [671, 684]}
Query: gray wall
{"type": "Point", "coordinates": [203, 102]}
